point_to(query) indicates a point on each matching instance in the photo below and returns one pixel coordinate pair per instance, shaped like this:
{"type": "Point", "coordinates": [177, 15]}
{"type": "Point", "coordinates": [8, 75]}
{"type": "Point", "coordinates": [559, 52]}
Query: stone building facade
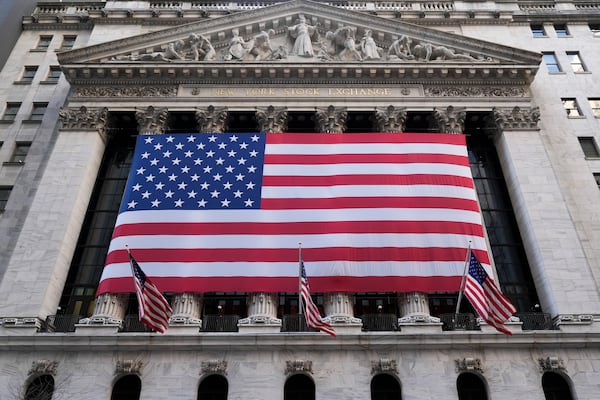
{"type": "Point", "coordinates": [516, 77]}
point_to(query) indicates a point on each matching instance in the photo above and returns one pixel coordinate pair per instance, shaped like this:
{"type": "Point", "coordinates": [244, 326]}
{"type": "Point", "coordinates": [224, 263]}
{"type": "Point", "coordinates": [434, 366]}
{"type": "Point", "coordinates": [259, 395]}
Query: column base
{"type": "Point", "coordinates": [259, 324]}
{"type": "Point", "coordinates": [20, 326]}
{"type": "Point", "coordinates": [570, 323]}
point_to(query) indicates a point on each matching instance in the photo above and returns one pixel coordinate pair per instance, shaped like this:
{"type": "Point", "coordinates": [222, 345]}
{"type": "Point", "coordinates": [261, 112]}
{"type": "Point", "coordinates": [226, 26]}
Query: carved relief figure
{"type": "Point", "coordinates": [261, 45]}
{"type": "Point", "coordinates": [201, 48]}
{"type": "Point", "coordinates": [237, 47]}
{"type": "Point", "coordinates": [400, 49]}
{"type": "Point", "coordinates": [369, 48]}
{"type": "Point", "coordinates": [429, 52]}
{"type": "Point", "coordinates": [172, 52]}
{"type": "Point", "coordinates": [302, 33]}
{"type": "Point", "coordinates": [344, 43]}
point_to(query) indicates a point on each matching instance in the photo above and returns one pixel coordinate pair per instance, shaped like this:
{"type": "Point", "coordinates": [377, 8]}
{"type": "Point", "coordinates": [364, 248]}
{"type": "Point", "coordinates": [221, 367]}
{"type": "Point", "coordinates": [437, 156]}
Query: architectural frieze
{"type": "Point", "coordinates": [475, 91]}
{"type": "Point", "coordinates": [125, 91]}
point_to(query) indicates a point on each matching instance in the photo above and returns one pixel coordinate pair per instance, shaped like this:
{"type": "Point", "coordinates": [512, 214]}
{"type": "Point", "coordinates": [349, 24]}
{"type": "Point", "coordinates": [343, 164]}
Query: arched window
{"type": "Point", "coordinates": [213, 387]}
{"type": "Point", "coordinates": [556, 387]}
{"type": "Point", "coordinates": [299, 387]}
{"type": "Point", "coordinates": [127, 388]}
{"type": "Point", "coordinates": [40, 388]}
{"type": "Point", "coordinates": [471, 387]}
{"type": "Point", "coordinates": [385, 387]}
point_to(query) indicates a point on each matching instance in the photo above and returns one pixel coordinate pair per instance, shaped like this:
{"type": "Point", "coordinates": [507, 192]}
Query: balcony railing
{"type": "Point", "coordinates": [379, 322]}
{"type": "Point", "coordinates": [295, 323]}
{"type": "Point", "coordinates": [132, 323]}
{"type": "Point", "coordinates": [536, 321]}
{"type": "Point", "coordinates": [459, 322]}
{"type": "Point", "coordinates": [61, 323]}
{"type": "Point", "coordinates": [220, 323]}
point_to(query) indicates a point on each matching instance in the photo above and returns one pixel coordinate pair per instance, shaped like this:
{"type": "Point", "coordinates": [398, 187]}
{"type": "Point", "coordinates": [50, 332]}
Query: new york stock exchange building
{"type": "Point", "coordinates": [383, 141]}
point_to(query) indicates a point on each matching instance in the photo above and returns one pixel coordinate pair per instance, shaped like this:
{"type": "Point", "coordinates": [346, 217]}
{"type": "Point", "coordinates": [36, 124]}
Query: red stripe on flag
{"type": "Point", "coordinates": [369, 202]}
{"type": "Point", "coordinates": [329, 159]}
{"type": "Point", "coordinates": [338, 180]}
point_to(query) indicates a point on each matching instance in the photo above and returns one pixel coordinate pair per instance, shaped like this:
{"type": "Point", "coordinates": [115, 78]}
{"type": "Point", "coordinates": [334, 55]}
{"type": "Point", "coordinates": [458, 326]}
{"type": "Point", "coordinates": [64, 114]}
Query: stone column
{"type": "Point", "coordinates": [262, 313]}
{"type": "Point", "coordinates": [414, 307]}
{"type": "Point", "coordinates": [272, 119]}
{"type": "Point", "coordinates": [37, 271]}
{"type": "Point", "coordinates": [211, 120]}
{"type": "Point", "coordinates": [390, 119]}
{"type": "Point", "coordinates": [187, 309]}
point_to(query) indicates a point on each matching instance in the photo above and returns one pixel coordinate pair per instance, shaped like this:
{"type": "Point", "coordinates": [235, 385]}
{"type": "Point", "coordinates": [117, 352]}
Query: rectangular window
{"type": "Point", "coordinates": [538, 30]}
{"type": "Point", "coordinates": [597, 178]}
{"type": "Point", "coordinates": [588, 145]}
{"type": "Point", "coordinates": [575, 61]}
{"type": "Point", "coordinates": [38, 111]}
{"type": "Point", "coordinates": [53, 74]}
{"type": "Point", "coordinates": [44, 42]}
{"type": "Point", "coordinates": [595, 106]}
{"type": "Point", "coordinates": [68, 42]}
{"type": "Point", "coordinates": [11, 111]}
{"type": "Point", "coordinates": [4, 194]}
{"type": "Point", "coordinates": [561, 30]}
{"type": "Point", "coordinates": [28, 74]}
{"type": "Point", "coordinates": [20, 152]}
{"type": "Point", "coordinates": [551, 62]}
{"type": "Point", "coordinates": [595, 28]}
{"type": "Point", "coordinates": [571, 107]}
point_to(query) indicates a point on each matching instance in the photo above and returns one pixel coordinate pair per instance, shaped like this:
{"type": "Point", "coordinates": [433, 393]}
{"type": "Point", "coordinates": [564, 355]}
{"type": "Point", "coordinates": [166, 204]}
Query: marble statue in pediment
{"type": "Point", "coordinates": [302, 34]}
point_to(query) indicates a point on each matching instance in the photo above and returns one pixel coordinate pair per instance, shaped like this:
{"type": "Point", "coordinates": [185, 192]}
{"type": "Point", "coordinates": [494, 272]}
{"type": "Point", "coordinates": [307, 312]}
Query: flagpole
{"type": "Point", "coordinates": [462, 281]}
{"type": "Point", "coordinates": [299, 278]}
{"type": "Point", "coordinates": [129, 255]}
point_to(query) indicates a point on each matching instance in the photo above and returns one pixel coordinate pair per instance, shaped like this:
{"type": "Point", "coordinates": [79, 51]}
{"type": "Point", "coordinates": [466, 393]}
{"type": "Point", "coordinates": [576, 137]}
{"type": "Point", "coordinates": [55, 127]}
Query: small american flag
{"type": "Point", "coordinates": [311, 312]}
{"type": "Point", "coordinates": [154, 310]}
{"type": "Point", "coordinates": [486, 297]}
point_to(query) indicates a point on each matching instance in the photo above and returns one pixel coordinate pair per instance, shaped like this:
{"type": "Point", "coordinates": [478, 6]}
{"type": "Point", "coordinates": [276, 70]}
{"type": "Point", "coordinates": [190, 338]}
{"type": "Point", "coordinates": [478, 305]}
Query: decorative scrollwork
{"type": "Point", "coordinates": [468, 364]}
{"type": "Point", "coordinates": [125, 367]}
{"type": "Point", "coordinates": [551, 364]}
{"type": "Point", "coordinates": [214, 367]}
{"type": "Point", "coordinates": [43, 367]}
{"type": "Point", "coordinates": [384, 365]}
{"type": "Point", "coordinates": [298, 366]}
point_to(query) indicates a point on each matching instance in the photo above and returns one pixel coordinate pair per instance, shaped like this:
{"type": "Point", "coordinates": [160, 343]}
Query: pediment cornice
{"type": "Point", "coordinates": [262, 44]}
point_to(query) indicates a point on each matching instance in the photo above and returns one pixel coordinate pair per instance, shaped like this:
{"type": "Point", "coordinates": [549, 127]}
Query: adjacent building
{"type": "Point", "coordinates": [517, 78]}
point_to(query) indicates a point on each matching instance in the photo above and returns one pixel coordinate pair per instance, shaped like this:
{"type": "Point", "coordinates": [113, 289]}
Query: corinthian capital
{"type": "Point", "coordinates": [272, 119]}
{"type": "Point", "coordinates": [331, 120]}
{"type": "Point", "coordinates": [390, 119]}
{"type": "Point", "coordinates": [516, 118]}
{"type": "Point", "coordinates": [450, 120]}
{"type": "Point", "coordinates": [211, 120]}
{"type": "Point", "coordinates": [151, 121]}
{"type": "Point", "coordinates": [83, 118]}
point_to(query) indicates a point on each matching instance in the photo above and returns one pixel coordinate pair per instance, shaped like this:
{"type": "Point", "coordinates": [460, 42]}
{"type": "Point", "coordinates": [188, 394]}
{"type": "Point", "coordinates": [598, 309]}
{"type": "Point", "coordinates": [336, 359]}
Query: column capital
{"type": "Point", "coordinates": [83, 118]}
{"type": "Point", "coordinates": [271, 119]}
{"type": "Point", "coordinates": [151, 121]}
{"type": "Point", "coordinates": [212, 119]}
{"type": "Point", "coordinates": [450, 120]}
{"type": "Point", "coordinates": [516, 118]}
{"type": "Point", "coordinates": [390, 119]}
{"type": "Point", "coordinates": [331, 119]}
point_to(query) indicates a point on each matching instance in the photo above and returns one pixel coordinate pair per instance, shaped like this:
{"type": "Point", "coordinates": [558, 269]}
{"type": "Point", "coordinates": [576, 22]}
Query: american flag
{"type": "Point", "coordinates": [154, 310]}
{"type": "Point", "coordinates": [311, 312]}
{"type": "Point", "coordinates": [486, 297]}
{"type": "Point", "coordinates": [377, 212]}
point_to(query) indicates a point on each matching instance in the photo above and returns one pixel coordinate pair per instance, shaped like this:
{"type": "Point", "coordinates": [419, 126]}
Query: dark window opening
{"type": "Point", "coordinates": [241, 121]}
{"type": "Point", "coordinates": [385, 387]}
{"type": "Point", "coordinates": [589, 147]}
{"type": "Point", "coordinates": [299, 387]}
{"type": "Point", "coordinates": [4, 195]}
{"type": "Point", "coordinates": [127, 388]}
{"type": "Point", "coordinates": [556, 387]}
{"type": "Point", "coordinates": [301, 122]}
{"type": "Point", "coordinates": [538, 30]}
{"type": "Point", "coordinates": [421, 122]}
{"type": "Point", "coordinates": [357, 122]}
{"type": "Point", "coordinates": [470, 387]}
{"type": "Point", "coordinates": [182, 122]}
{"type": "Point", "coordinates": [375, 303]}
{"type": "Point", "coordinates": [213, 387]}
{"type": "Point", "coordinates": [561, 30]}
{"type": "Point", "coordinates": [507, 249]}
{"type": "Point", "coordinates": [41, 388]}
{"type": "Point", "coordinates": [225, 303]}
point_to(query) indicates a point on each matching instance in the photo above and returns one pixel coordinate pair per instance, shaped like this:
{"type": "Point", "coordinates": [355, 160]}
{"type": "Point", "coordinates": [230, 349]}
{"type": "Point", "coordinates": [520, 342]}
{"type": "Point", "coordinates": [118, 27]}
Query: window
{"type": "Point", "coordinates": [470, 387]}
{"type": "Point", "coordinates": [575, 61]}
{"type": "Point", "coordinates": [561, 30]}
{"type": "Point", "coordinates": [588, 145]}
{"type": "Point", "coordinates": [127, 388]}
{"type": "Point", "coordinates": [571, 107]}
{"type": "Point", "coordinates": [68, 42]}
{"type": "Point", "coordinates": [41, 388]}
{"type": "Point", "coordinates": [385, 387]}
{"type": "Point", "coordinates": [597, 178]}
{"type": "Point", "coordinates": [556, 387]}
{"type": "Point", "coordinates": [538, 30]}
{"type": "Point", "coordinates": [38, 111]}
{"type": "Point", "coordinates": [551, 62]}
{"type": "Point", "coordinates": [4, 194]}
{"type": "Point", "coordinates": [299, 387]}
{"type": "Point", "coordinates": [20, 152]}
{"type": "Point", "coordinates": [28, 74]}
{"type": "Point", "coordinates": [595, 106]}
{"type": "Point", "coordinates": [213, 387]}
{"type": "Point", "coordinates": [595, 28]}
{"type": "Point", "coordinates": [11, 111]}
{"type": "Point", "coordinates": [44, 42]}
{"type": "Point", "coordinates": [53, 74]}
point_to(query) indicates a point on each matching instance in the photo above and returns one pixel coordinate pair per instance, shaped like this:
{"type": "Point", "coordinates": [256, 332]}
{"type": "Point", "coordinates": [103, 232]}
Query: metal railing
{"type": "Point", "coordinates": [536, 321]}
{"type": "Point", "coordinates": [220, 323]}
{"type": "Point", "coordinates": [379, 322]}
{"type": "Point", "coordinates": [131, 323]}
{"type": "Point", "coordinates": [61, 323]}
{"type": "Point", "coordinates": [295, 323]}
{"type": "Point", "coordinates": [459, 322]}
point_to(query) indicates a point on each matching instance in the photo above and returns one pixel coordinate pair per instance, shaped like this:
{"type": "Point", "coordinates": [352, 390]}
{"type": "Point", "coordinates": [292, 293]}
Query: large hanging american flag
{"type": "Point", "coordinates": [224, 212]}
